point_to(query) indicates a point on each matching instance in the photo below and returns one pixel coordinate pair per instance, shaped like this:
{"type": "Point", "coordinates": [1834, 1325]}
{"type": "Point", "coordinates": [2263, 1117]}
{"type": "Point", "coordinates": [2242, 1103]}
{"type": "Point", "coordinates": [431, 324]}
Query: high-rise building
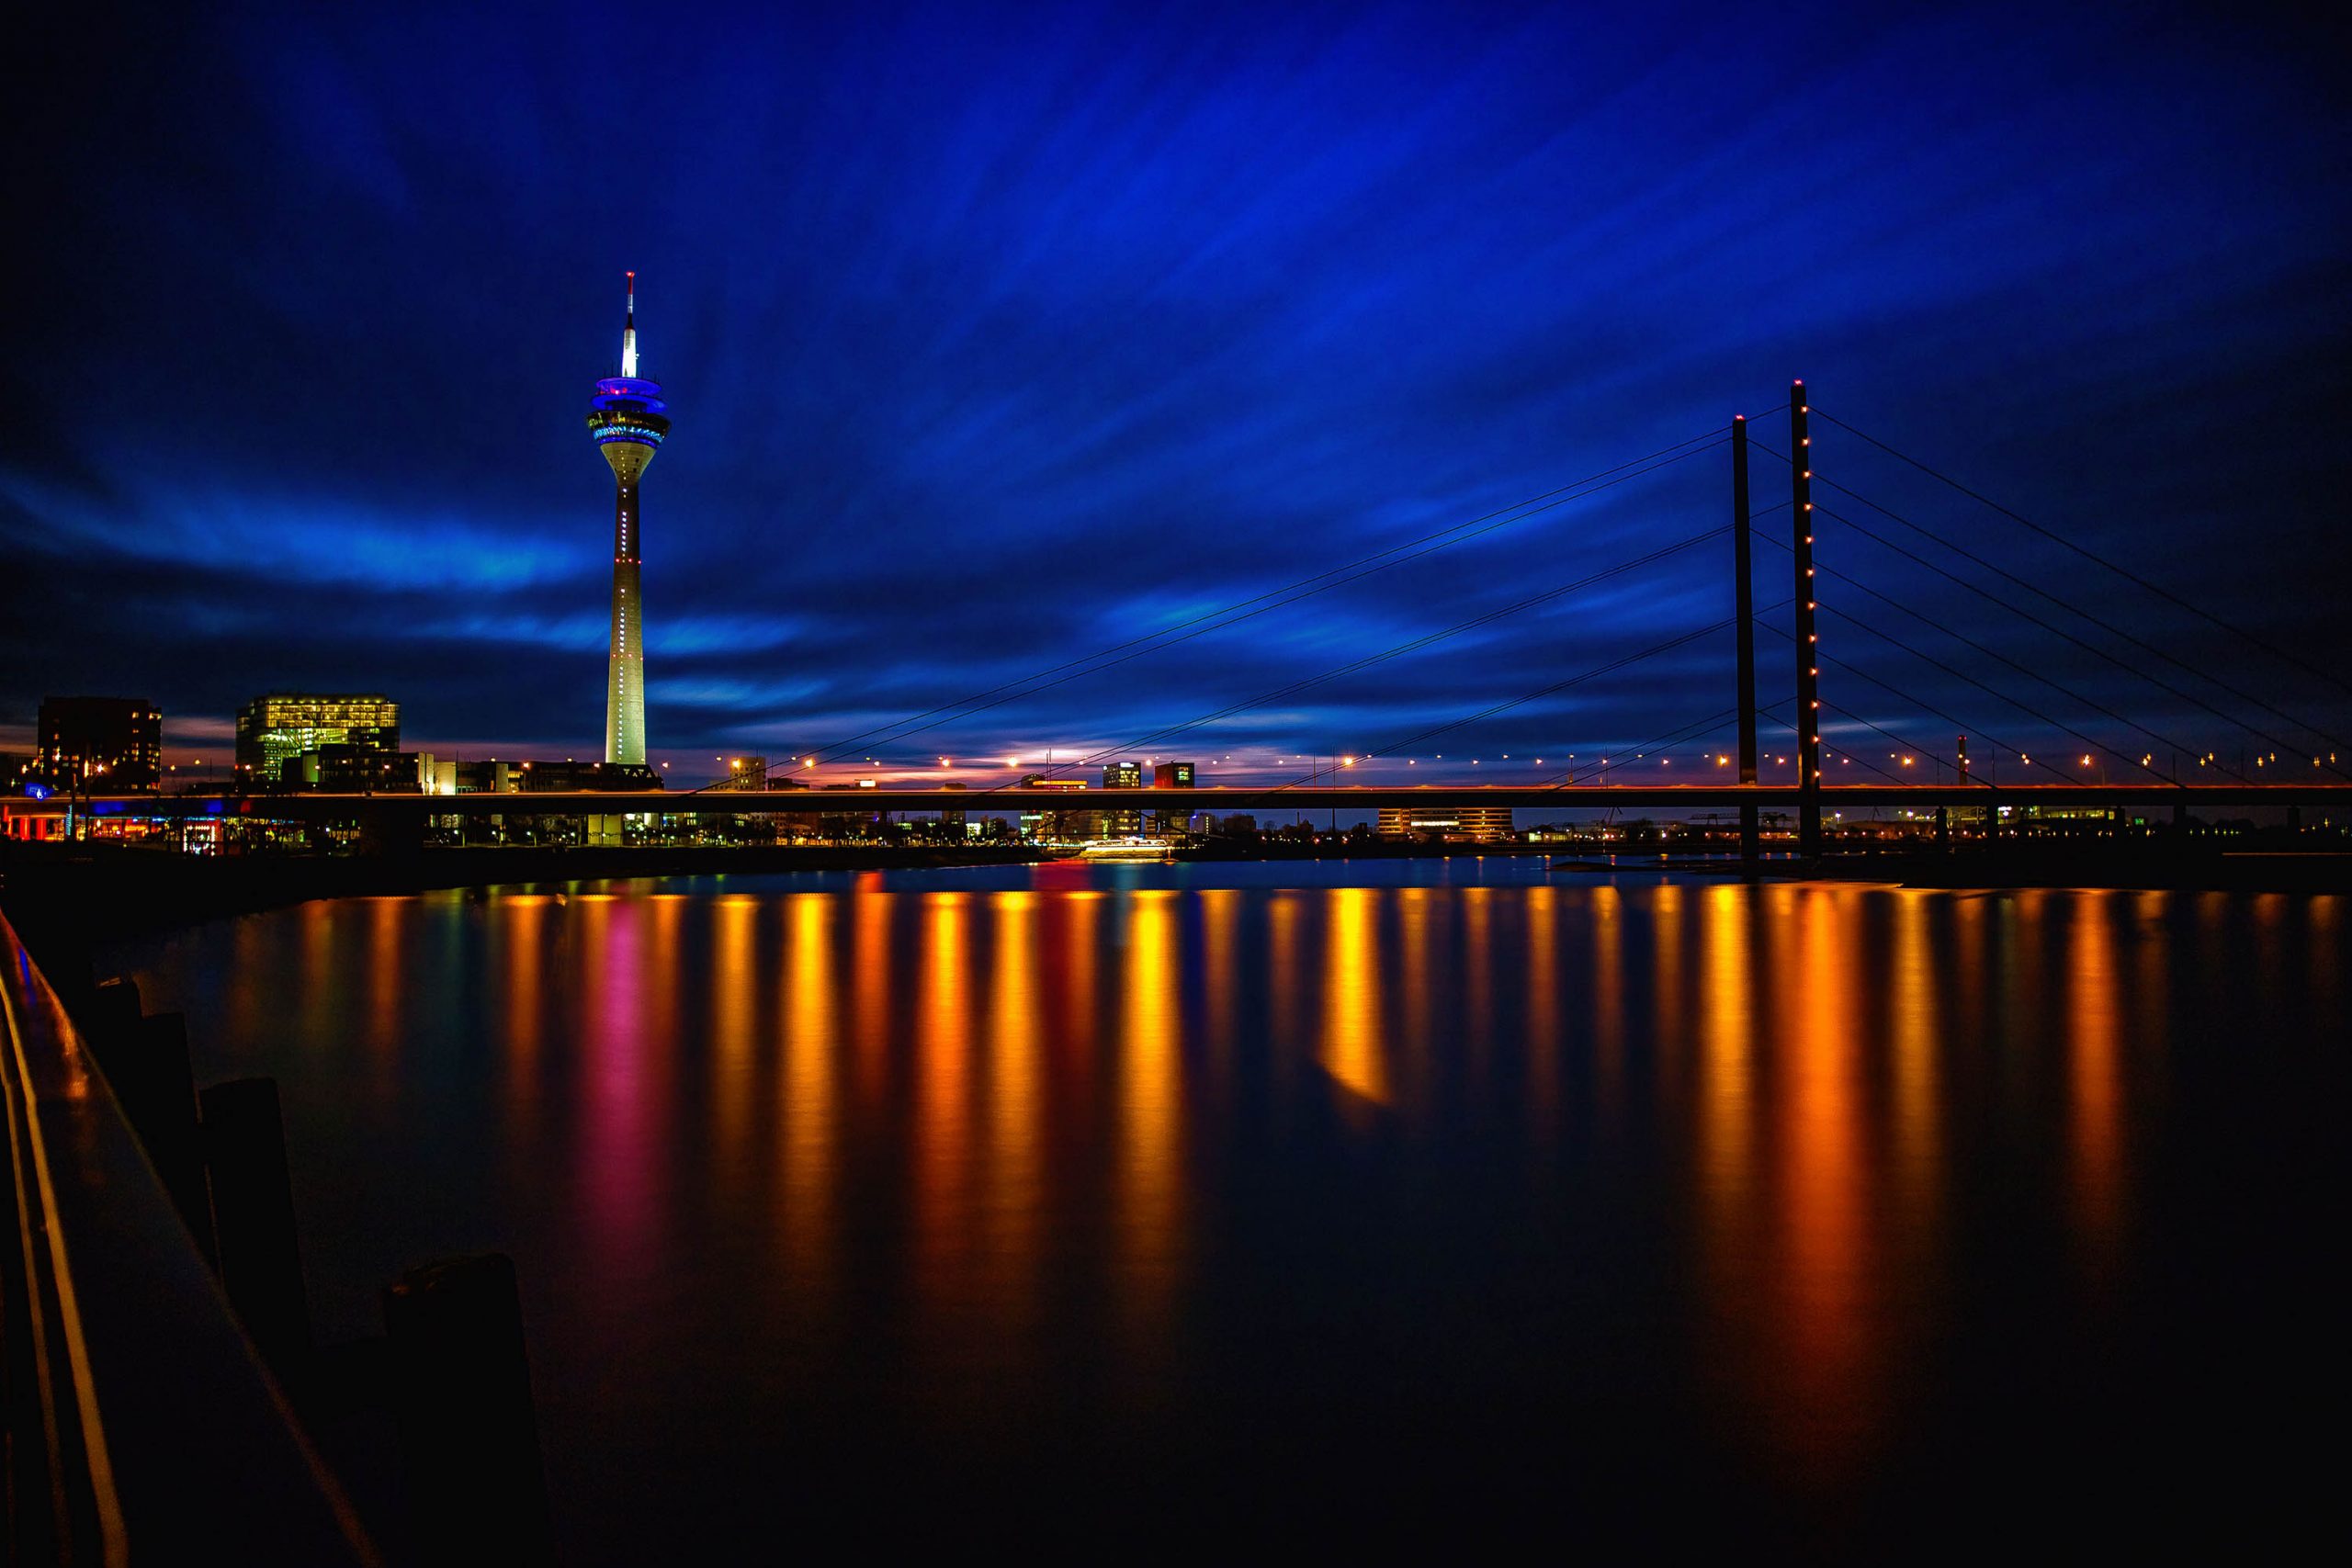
{"type": "Point", "coordinates": [101, 745]}
{"type": "Point", "coordinates": [354, 770]}
{"type": "Point", "coordinates": [279, 726]}
{"type": "Point", "coordinates": [1173, 775]}
{"type": "Point", "coordinates": [1055, 825]}
{"type": "Point", "coordinates": [745, 773]}
{"type": "Point", "coordinates": [1121, 824]}
{"type": "Point", "coordinates": [628, 419]}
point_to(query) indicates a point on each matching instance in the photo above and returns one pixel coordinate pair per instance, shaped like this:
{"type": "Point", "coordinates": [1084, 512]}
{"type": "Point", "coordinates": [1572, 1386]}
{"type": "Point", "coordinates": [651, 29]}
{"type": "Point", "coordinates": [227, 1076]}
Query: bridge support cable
{"type": "Point", "coordinates": [1392, 748]}
{"type": "Point", "coordinates": [1410, 645]}
{"type": "Point", "coordinates": [1912, 746]}
{"type": "Point", "coordinates": [1698, 730]}
{"type": "Point", "coordinates": [2145, 764]}
{"type": "Point", "coordinates": [1682, 735]}
{"type": "Point", "coordinates": [1695, 730]}
{"type": "Point", "coordinates": [2058, 725]}
{"type": "Point", "coordinates": [2089, 555]}
{"type": "Point", "coordinates": [2022, 613]}
{"type": "Point", "coordinates": [2332, 742]}
{"type": "Point", "coordinates": [1290, 594]}
{"type": "Point", "coordinates": [1993, 691]}
{"type": "Point", "coordinates": [2005, 696]}
{"type": "Point", "coordinates": [1891, 776]}
{"type": "Point", "coordinates": [2128, 668]}
{"type": "Point", "coordinates": [1744, 612]}
{"type": "Point", "coordinates": [1960, 725]}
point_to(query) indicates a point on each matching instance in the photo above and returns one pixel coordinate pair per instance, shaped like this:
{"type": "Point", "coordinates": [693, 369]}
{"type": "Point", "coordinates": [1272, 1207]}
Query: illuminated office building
{"type": "Point", "coordinates": [1121, 824]}
{"type": "Point", "coordinates": [1056, 825]}
{"type": "Point", "coordinates": [1451, 824]}
{"type": "Point", "coordinates": [1173, 775]}
{"type": "Point", "coordinates": [102, 745]}
{"type": "Point", "coordinates": [628, 419]}
{"type": "Point", "coordinates": [281, 727]}
{"type": "Point", "coordinates": [354, 770]}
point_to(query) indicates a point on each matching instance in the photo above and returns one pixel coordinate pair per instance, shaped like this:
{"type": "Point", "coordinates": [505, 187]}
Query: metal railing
{"type": "Point", "coordinates": [140, 1424]}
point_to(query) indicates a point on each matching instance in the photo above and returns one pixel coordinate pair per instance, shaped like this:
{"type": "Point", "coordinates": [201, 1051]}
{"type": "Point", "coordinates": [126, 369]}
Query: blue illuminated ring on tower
{"type": "Point", "coordinates": [628, 409]}
{"type": "Point", "coordinates": [608, 428]}
{"type": "Point", "coordinates": [629, 392]}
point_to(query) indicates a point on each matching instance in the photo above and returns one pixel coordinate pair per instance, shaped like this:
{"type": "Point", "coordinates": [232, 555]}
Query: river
{"type": "Point", "coordinates": [1404, 1201]}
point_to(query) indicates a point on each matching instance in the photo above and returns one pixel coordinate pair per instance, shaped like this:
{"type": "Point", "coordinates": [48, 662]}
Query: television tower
{"type": "Point", "coordinates": [628, 419]}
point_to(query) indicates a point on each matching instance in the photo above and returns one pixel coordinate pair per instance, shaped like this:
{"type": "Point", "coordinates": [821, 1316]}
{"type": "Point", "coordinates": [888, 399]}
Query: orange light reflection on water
{"type": "Point", "coordinates": [870, 995]}
{"type": "Point", "coordinates": [522, 923]}
{"type": "Point", "coordinates": [1916, 1019]}
{"type": "Point", "coordinates": [811, 1112]}
{"type": "Point", "coordinates": [1030, 1147]}
{"type": "Point", "coordinates": [1150, 1175]}
{"type": "Point", "coordinates": [1824, 1312]}
{"type": "Point", "coordinates": [387, 1000]}
{"type": "Point", "coordinates": [1013, 1176]}
{"type": "Point", "coordinates": [1352, 1050]}
{"type": "Point", "coordinates": [942, 1149]}
{"type": "Point", "coordinates": [734, 1011]}
{"type": "Point", "coordinates": [1727, 1088]}
{"type": "Point", "coordinates": [1608, 1001]}
{"type": "Point", "coordinates": [2094, 1050]}
{"type": "Point", "coordinates": [1543, 1012]}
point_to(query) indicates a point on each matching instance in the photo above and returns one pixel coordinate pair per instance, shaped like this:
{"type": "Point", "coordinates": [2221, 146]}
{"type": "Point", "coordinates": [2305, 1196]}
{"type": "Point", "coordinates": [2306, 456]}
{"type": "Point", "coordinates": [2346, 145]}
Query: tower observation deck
{"type": "Point", "coordinates": [628, 419]}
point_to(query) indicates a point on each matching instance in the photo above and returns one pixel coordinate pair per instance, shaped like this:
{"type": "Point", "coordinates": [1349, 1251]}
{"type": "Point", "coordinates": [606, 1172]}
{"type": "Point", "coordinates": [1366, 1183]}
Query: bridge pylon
{"type": "Point", "coordinates": [1809, 643]}
{"type": "Point", "coordinates": [1743, 610]}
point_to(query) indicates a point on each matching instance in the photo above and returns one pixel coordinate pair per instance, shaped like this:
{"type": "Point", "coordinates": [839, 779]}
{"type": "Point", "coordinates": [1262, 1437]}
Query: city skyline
{"type": "Point", "coordinates": [979, 394]}
{"type": "Point", "coordinates": [1411, 775]}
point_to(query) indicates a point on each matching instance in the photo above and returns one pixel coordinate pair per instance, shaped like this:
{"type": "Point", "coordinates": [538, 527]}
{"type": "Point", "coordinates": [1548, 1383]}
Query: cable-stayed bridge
{"type": "Point", "coordinates": [1830, 712]}
{"type": "Point", "coordinates": [2199, 736]}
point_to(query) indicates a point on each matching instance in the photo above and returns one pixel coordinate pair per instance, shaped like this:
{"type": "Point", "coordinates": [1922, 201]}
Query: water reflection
{"type": "Point", "coordinates": [1150, 1183]}
{"type": "Point", "coordinates": [2094, 1073]}
{"type": "Point", "coordinates": [1821, 1269]}
{"type": "Point", "coordinates": [808, 1112]}
{"type": "Point", "coordinates": [1014, 1184]}
{"type": "Point", "coordinates": [1727, 1110]}
{"type": "Point", "coordinates": [993, 1168]}
{"type": "Point", "coordinates": [1352, 1045]}
{"type": "Point", "coordinates": [943, 1067]}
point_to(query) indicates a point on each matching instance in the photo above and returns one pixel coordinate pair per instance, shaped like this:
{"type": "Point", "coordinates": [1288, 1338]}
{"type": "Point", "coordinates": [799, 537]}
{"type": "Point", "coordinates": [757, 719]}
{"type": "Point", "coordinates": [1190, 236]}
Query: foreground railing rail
{"type": "Point", "coordinates": [140, 1423]}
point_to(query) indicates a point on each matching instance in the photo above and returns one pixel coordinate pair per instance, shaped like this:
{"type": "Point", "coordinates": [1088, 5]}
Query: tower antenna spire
{"type": "Point", "coordinates": [628, 331]}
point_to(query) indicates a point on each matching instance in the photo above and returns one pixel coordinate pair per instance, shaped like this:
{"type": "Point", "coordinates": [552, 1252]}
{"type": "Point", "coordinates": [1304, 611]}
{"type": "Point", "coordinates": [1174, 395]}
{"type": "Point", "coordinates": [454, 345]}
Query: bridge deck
{"type": "Point", "coordinates": [1222, 798]}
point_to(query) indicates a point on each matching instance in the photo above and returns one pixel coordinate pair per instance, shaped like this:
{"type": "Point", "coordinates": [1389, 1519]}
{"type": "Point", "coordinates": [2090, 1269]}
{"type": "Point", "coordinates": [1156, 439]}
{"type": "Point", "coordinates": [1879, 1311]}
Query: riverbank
{"type": "Point", "coordinates": [66, 898]}
{"type": "Point", "coordinates": [2124, 868]}
{"type": "Point", "coordinates": [73, 897]}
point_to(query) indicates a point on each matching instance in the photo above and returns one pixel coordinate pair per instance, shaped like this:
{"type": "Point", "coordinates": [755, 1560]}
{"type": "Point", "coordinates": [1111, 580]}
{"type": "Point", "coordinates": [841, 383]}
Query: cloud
{"type": "Point", "coordinates": [994, 342]}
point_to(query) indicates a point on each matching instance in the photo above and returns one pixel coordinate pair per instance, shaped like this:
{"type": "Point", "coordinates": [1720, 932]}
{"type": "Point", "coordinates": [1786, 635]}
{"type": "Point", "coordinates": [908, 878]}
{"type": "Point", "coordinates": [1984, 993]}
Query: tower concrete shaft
{"type": "Point", "coordinates": [624, 672]}
{"type": "Point", "coordinates": [630, 421]}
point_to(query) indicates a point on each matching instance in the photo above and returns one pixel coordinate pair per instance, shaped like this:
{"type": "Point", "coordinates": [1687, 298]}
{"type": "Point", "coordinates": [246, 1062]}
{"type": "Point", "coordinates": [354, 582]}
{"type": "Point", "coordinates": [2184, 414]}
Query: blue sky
{"type": "Point", "coordinates": [997, 335]}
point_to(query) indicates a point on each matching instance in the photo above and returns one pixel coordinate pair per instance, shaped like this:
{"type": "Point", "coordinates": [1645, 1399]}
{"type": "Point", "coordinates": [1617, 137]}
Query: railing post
{"type": "Point", "coordinates": [1808, 717]}
{"type": "Point", "coordinates": [1744, 608]}
{"type": "Point", "coordinates": [252, 1208]}
{"type": "Point", "coordinates": [468, 1436]}
{"type": "Point", "coordinates": [145, 1059]}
